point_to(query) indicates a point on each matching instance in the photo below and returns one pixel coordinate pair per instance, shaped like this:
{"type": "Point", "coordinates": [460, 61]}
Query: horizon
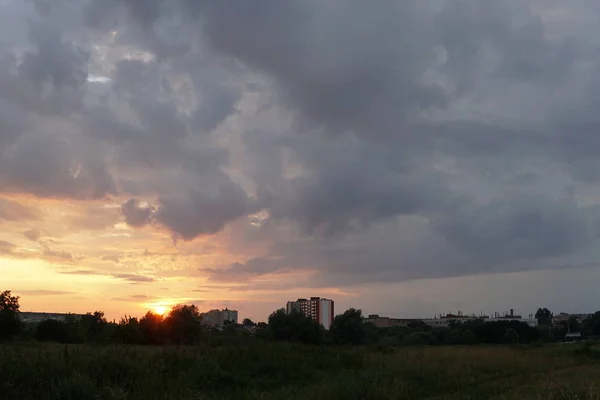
{"type": "Point", "coordinates": [400, 157]}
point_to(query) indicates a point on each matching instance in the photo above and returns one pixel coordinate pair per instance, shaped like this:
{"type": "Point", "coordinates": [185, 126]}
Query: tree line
{"type": "Point", "coordinates": [183, 325]}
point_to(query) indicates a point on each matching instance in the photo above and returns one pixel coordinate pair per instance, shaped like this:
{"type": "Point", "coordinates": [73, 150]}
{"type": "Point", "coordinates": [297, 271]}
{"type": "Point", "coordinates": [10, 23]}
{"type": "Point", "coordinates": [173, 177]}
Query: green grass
{"type": "Point", "coordinates": [257, 370]}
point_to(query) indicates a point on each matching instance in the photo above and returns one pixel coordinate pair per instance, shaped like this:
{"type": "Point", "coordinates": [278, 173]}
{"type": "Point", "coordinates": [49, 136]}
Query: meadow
{"type": "Point", "coordinates": [268, 370]}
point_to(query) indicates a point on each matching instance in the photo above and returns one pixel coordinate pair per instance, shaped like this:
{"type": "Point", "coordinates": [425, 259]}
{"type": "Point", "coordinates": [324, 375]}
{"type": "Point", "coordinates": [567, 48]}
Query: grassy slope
{"type": "Point", "coordinates": [282, 371]}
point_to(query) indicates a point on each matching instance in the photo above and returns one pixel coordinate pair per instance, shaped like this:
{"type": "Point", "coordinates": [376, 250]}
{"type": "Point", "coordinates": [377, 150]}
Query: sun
{"type": "Point", "coordinates": [160, 310]}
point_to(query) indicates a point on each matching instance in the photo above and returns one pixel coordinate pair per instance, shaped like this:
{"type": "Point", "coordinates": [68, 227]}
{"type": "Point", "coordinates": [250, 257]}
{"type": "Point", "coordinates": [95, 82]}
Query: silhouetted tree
{"type": "Point", "coordinates": [184, 324]}
{"type": "Point", "coordinates": [591, 324]}
{"type": "Point", "coordinates": [52, 330]}
{"type": "Point", "coordinates": [93, 325]}
{"type": "Point", "coordinates": [544, 316]}
{"type": "Point", "coordinates": [348, 328]}
{"type": "Point", "coordinates": [10, 324]}
{"type": "Point", "coordinates": [248, 322]}
{"type": "Point", "coordinates": [295, 327]}
{"type": "Point", "coordinates": [128, 331]}
{"type": "Point", "coordinates": [573, 324]}
{"type": "Point", "coordinates": [468, 337]}
{"type": "Point", "coordinates": [511, 336]}
{"type": "Point", "coordinates": [153, 331]}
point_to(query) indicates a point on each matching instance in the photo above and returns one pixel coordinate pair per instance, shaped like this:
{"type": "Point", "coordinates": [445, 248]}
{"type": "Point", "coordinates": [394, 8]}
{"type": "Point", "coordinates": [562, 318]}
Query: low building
{"type": "Point", "coordinates": [386, 322]}
{"type": "Point", "coordinates": [36, 317]}
{"type": "Point", "coordinates": [445, 321]}
{"type": "Point", "coordinates": [317, 308]}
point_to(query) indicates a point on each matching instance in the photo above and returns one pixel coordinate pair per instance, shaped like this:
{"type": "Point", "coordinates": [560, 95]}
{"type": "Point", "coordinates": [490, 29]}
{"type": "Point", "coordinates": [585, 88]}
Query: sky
{"type": "Point", "coordinates": [404, 157]}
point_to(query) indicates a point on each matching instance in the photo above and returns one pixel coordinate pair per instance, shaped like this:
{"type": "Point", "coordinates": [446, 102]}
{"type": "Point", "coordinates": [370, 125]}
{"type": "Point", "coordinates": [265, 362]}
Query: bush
{"type": "Point", "coordinates": [418, 339]}
{"type": "Point", "coordinates": [511, 336]}
{"type": "Point", "coordinates": [52, 330]}
{"type": "Point", "coordinates": [468, 337]}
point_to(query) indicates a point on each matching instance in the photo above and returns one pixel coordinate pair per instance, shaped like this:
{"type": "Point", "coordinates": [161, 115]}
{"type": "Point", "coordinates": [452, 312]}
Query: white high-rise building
{"type": "Point", "coordinates": [319, 309]}
{"type": "Point", "coordinates": [217, 318]}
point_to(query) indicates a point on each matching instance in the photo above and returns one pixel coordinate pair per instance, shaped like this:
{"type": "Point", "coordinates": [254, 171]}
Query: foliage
{"type": "Point", "coordinates": [10, 325]}
{"type": "Point", "coordinates": [544, 316]}
{"type": "Point", "coordinates": [183, 325]}
{"type": "Point", "coordinates": [591, 326]}
{"type": "Point", "coordinates": [129, 331]}
{"type": "Point", "coordinates": [8, 302]}
{"type": "Point", "coordinates": [153, 331]}
{"type": "Point", "coordinates": [511, 336]}
{"type": "Point", "coordinates": [348, 328]}
{"type": "Point", "coordinates": [295, 327]}
{"type": "Point", "coordinates": [273, 371]}
{"type": "Point", "coordinates": [93, 325]}
{"type": "Point", "coordinates": [52, 331]}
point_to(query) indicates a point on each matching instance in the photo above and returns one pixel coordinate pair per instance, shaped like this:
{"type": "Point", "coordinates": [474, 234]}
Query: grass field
{"type": "Point", "coordinates": [283, 371]}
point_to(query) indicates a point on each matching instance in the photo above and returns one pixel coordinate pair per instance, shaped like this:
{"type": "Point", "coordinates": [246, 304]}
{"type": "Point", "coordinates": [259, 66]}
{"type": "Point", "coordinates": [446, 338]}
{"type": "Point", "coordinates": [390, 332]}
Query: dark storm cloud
{"type": "Point", "coordinates": [192, 214]}
{"type": "Point", "coordinates": [412, 127]}
{"type": "Point", "coordinates": [135, 214]}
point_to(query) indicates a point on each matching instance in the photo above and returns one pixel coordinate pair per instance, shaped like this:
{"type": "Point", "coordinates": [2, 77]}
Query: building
{"type": "Point", "coordinates": [386, 322]}
{"type": "Point", "coordinates": [35, 317]}
{"type": "Point", "coordinates": [218, 318]}
{"type": "Point", "coordinates": [319, 309]}
{"type": "Point", "coordinates": [444, 321]}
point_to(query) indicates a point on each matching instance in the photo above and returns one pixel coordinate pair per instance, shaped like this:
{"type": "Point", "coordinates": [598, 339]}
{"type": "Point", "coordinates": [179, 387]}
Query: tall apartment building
{"type": "Point", "coordinates": [217, 318]}
{"type": "Point", "coordinates": [321, 310]}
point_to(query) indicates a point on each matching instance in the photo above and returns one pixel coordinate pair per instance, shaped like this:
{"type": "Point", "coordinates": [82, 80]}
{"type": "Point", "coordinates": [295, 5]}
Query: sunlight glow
{"type": "Point", "coordinates": [160, 310]}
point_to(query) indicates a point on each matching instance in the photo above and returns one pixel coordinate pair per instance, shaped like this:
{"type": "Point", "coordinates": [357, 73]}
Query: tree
{"type": "Point", "coordinates": [52, 330]}
{"type": "Point", "coordinates": [152, 328]}
{"type": "Point", "coordinates": [544, 316]}
{"type": "Point", "coordinates": [93, 325]}
{"type": "Point", "coordinates": [184, 324]}
{"type": "Point", "coordinates": [247, 322]}
{"type": "Point", "coordinates": [295, 327]}
{"type": "Point", "coordinates": [511, 336]}
{"type": "Point", "coordinates": [10, 324]}
{"type": "Point", "coordinates": [592, 324]}
{"type": "Point", "coordinates": [468, 337]}
{"type": "Point", "coordinates": [348, 328]}
{"type": "Point", "coordinates": [9, 303]}
{"type": "Point", "coordinates": [573, 324]}
{"type": "Point", "coordinates": [128, 331]}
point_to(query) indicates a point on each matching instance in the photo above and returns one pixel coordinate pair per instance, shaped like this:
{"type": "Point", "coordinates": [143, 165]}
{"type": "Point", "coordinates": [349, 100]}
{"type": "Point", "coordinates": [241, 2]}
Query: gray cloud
{"type": "Point", "coordinates": [135, 214]}
{"type": "Point", "coordinates": [385, 142]}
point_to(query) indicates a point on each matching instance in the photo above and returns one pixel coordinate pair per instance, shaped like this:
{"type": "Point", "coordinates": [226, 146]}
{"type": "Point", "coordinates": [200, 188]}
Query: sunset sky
{"type": "Point", "coordinates": [405, 157]}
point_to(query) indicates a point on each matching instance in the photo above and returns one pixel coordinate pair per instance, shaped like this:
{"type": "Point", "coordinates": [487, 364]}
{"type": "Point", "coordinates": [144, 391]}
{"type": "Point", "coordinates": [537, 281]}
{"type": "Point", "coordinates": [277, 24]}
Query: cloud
{"type": "Point", "coordinates": [32, 234]}
{"type": "Point", "coordinates": [43, 292]}
{"type": "Point", "coordinates": [136, 214]}
{"type": "Point", "coordinates": [194, 213]}
{"type": "Point", "coordinates": [60, 256]}
{"type": "Point", "coordinates": [134, 298]}
{"type": "Point", "coordinates": [134, 278]}
{"type": "Point", "coordinates": [12, 211]}
{"type": "Point", "coordinates": [380, 142]}
{"type": "Point", "coordinates": [6, 248]}
{"type": "Point", "coordinates": [126, 277]}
